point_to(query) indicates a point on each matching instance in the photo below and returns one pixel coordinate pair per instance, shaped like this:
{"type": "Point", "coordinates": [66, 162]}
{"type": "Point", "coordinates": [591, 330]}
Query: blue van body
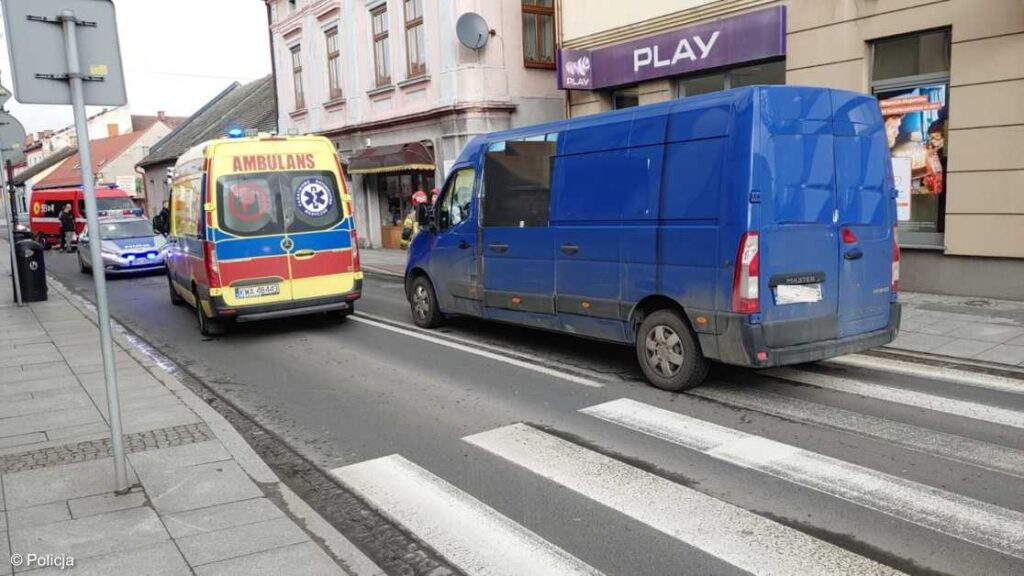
{"type": "Point", "coordinates": [648, 210]}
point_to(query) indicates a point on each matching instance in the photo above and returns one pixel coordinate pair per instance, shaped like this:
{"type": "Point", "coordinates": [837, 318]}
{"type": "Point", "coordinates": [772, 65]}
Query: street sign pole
{"type": "Point", "coordinates": [68, 21]}
{"type": "Point", "coordinates": [10, 231]}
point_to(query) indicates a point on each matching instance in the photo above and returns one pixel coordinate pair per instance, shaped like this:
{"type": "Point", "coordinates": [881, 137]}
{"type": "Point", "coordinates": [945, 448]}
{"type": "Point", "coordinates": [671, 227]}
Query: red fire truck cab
{"type": "Point", "coordinates": [45, 207]}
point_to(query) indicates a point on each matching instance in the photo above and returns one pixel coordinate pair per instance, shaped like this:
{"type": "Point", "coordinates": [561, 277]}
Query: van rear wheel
{"type": "Point", "coordinates": [668, 352]}
{"type": "Point", "coordinates": [207, 326]}
{"type": "Point", "coordinates": [423, 302]}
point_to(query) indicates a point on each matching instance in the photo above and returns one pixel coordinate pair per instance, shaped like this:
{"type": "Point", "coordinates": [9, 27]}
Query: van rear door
{"type": "Point", "coordinates": [798, 243]}
{"type": "Point", "coordinates": [865, 220]}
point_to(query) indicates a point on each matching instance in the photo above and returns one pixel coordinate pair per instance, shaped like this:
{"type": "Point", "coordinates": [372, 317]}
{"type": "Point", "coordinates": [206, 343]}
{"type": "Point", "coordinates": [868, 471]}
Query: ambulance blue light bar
{"type": "Point", "coordinates": [236, 133]}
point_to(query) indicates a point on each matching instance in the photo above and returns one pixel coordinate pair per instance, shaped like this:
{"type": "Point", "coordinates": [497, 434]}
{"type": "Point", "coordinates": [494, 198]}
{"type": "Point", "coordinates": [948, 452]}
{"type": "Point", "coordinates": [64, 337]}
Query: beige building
{"type": "Point", "coordinates": [949, 76]}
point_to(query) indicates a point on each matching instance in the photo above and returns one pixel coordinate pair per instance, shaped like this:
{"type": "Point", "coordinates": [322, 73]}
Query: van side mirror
{"type": "Point", "coordinates": [425, 216]}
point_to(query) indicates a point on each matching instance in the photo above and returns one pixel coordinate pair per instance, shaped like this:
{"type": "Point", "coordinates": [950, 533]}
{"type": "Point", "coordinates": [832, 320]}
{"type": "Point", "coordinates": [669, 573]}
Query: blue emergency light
{"type": "Point", "coordinates": [236, 133]}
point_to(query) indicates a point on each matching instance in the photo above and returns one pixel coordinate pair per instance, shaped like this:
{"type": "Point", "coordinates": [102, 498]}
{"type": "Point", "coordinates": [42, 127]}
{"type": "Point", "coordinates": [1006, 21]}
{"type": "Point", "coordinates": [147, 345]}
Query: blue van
{"type": "Point", "coordinates": [753, 227]}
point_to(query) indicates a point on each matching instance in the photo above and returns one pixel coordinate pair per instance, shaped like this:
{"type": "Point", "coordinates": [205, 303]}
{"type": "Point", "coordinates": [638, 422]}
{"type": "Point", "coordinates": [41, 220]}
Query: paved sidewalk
{"type": "Point", "coordinates": [957, 326]}
{"type": "Point", "coordinates": [383, 261]}
{"type": "Point", "coordinates": [963, 327]}
{"type": "Point", "coordinates": [202, 501]}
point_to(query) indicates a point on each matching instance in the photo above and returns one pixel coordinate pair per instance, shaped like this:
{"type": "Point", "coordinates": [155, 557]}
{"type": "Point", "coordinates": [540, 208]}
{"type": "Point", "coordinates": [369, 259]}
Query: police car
{"type": "Point", "coordinates": [128, 244]}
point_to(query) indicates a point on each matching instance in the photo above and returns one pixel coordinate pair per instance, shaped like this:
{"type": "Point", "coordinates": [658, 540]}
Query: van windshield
{"type": "Point", "coordinates": [268, 203]}
{"type": "Point", "coordinates": [111, 204]}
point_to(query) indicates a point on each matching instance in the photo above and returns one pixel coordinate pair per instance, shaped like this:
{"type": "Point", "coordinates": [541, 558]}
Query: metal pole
{"type": "Point", "coordinates": [10, 233]}
{"type": "Point", "coordinates": [67, 18]}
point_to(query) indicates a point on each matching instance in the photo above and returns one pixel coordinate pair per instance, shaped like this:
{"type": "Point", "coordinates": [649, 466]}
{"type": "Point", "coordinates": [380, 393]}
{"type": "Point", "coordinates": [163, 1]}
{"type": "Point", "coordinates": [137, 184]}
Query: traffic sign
{"type": "Point", "coordinates": [12, 138]}
{"type": "Point", "coordinates": [39, 56]}
{"type": "Point", "coordinates": [5, 95]}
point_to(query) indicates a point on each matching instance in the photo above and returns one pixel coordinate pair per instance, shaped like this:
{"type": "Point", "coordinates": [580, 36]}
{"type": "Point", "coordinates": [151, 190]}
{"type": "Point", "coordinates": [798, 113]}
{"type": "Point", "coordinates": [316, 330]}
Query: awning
{"type": "Point", "coordinates": [395, 158]}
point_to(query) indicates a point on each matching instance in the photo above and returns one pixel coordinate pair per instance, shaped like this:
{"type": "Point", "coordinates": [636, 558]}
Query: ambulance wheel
{"type": "Point", "coordinates": [43, 242]}
{"type": "Point", "coordinates": [423, 302]}
{"type": "Point", "coordinates": [176, 298]}
{"type": "Point", "coordinates": [207, 326]}
{"type": "Point", "coordinates": [668, 352]}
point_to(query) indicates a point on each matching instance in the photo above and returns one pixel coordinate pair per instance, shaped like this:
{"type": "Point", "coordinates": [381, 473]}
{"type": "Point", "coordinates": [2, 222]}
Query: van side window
{"type": "Point", "coordinates": [457, 199]}
{"type": "Point", "coordinates": [185, 208]}
{"type": "Point", "coordinates": [517, 181]}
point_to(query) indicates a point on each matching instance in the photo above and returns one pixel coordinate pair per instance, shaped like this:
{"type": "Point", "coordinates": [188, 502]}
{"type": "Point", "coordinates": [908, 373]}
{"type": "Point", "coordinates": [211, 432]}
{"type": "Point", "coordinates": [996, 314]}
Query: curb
{"type": "Point", "coordinates": [371, 269]}
{"type": "Point", "coordinates": [349, 558]}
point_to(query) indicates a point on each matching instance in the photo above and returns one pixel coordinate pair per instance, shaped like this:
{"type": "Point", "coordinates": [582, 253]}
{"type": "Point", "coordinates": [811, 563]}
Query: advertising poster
{"type": "Point", "coordinates": [901, 178]}
{"type": "Point", "coordinates": [915, 126]}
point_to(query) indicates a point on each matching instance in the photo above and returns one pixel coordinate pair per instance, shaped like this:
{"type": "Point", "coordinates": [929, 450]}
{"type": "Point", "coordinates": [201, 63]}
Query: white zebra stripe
{"type": "Point", "coordinates": [964, 408]}
{"type": "Point", "coordinates": [957, 448]}
{"type": "Point", "coordinates": [977, 522]}
{"type": "Point", "coordinates": [467, 532]}
{"type": "Point", "coordinates": [746, 540]}
{"type": "Point", "coordinates": [945, 374]}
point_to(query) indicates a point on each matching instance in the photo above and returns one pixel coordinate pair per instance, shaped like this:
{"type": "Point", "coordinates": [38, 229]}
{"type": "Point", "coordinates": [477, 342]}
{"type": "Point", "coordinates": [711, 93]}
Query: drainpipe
{"type": "Point", "coordinates": [273, 61]}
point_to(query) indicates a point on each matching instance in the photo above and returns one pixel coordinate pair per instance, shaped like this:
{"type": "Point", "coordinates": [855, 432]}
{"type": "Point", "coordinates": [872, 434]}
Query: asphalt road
{"type": "Point", "coordinates": [507, 449]}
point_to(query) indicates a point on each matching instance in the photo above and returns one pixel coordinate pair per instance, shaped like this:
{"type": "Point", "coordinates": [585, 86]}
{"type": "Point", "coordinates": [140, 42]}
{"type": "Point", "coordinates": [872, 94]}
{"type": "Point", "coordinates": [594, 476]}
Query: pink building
{"type": "Point", "coordinates": [389, 82]}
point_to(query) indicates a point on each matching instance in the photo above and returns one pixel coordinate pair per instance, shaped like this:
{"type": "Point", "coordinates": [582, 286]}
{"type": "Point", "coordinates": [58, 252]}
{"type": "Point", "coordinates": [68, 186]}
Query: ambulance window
{"type": "Point", "coordinates": [248, 205]}
{"type": "Point", "coordinates": [310, 200]}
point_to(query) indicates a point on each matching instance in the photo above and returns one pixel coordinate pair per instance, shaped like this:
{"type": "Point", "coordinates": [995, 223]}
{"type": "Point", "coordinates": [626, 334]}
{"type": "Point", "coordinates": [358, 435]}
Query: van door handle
{"type": "Point", "coordinates": [498, 247]}
{"type": "Point", "coordinates": [304, 254]}
{"type": "Point", "coordinates": [854, 254]}
{"type": "Point", "coordinates": [570, 249]}
{"type": "Point", "coordinates": [463, 245]}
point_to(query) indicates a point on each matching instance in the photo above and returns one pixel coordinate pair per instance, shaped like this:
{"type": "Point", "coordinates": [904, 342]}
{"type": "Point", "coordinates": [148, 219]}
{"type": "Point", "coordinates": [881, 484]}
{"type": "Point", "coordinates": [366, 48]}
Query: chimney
{"type": "Point", "coordinates": [161, 116]}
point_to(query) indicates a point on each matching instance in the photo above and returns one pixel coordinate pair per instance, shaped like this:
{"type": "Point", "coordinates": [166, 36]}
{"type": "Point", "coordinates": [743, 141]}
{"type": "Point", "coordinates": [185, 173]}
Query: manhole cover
{"type": "Point", "coordinates": [978, 303]}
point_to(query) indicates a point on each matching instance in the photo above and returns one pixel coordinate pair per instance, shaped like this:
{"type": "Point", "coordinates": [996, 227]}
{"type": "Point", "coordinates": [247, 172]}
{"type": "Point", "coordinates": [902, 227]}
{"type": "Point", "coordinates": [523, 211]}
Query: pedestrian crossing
{"type": "Point", "coordinates": [479, 540]}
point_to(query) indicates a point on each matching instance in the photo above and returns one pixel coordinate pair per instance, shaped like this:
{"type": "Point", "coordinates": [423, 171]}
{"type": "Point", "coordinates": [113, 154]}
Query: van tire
{"type": "Point", "coordinates": [176, 299]}
{"type": "Point", "coordinates": [207, 326]}
{"type": "Point", "coordinates": [82, 267]}
{"type": "Point", "coordinates": [668, 352]}
{"type": "Point", "coordinates": [423, 304]}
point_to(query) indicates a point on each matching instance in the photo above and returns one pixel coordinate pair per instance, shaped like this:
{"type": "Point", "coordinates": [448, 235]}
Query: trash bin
{"type": "Point", "coordinates": [28, 256]}
{"type": "Point", "coordinates": [22, 232]}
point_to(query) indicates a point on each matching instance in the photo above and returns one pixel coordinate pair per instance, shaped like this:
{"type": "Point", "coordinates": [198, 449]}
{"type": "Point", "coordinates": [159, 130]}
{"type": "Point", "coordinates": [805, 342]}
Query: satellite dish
{"type": "Point", "coordinates": [472, 30]}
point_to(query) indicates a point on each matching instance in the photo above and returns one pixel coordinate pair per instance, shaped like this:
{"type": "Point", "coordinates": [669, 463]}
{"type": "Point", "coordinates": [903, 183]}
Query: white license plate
{"type": "Point", "coordinates": [797, 293]}
{"type": "Point", "coordinates": [257, 291]}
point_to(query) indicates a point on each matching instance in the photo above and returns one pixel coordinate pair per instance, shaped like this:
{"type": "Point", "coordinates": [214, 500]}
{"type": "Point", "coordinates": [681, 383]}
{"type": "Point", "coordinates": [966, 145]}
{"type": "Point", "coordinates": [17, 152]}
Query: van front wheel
{"type": "Point", "coordinates": [668, 352]}
{"type": "Point", "coordinates": [423, 302]}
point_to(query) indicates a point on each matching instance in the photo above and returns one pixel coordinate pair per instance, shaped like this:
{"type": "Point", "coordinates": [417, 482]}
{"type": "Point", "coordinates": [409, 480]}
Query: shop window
{"type": "Point", "coordinates": [333, 63]}
{"type": "Point", "coordinates": [517, 185]}
{"type": "Point", "coordinates": [381, 46]}
{"type": "Point", "coordinates": [539, 33]}
{"type": "Point", "coordinates": [764, 73]}
{"type": "Point", "coordinates": [625, 98]}
{"type": "Point", "coordinates": [416, 63]}
{"type": "Point", "coordinates": [300, 95]}
{"type": "Point", "coordinates": [910, 77]}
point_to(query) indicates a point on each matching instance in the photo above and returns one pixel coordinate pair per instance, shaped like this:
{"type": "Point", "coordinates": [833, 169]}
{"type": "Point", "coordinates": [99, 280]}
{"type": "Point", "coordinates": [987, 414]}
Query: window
{"type": "Point", "coordinates": [457, 200]}
{"type": "Point", "coordinates": [415, 59]}
{"type": "Point", "coordinates": [517, 184]}
{"type": "Point", "coordinates": [266, 203]}
{"type": "Point", "coordinates": [910, 77]}
{"type": "Point", "coordinates": [764, 73]}
{"type": "Point", "coordinates": [625, 98]}
{"type": "Point", "coordinates": [539, 33]}
{"type": "Point", "coordinates": [333, 63]}
{"type": "Point", "coordinates": [300, 96]}
{"type": "Point", "coordinates": [381, 46]}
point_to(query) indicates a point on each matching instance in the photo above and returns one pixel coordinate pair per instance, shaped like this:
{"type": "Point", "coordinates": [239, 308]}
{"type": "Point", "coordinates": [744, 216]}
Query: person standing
{"type": "Point", "coordinates": [411, 225]}
{"type": "Point", "coordinates": [162, 221]}
{"type": "Point", "coordinates": [67, 228]}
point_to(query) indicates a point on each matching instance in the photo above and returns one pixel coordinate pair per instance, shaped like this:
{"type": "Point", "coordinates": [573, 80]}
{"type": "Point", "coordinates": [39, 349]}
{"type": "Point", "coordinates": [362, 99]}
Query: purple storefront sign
{"type": "Point", "coordinates": [745, 38]}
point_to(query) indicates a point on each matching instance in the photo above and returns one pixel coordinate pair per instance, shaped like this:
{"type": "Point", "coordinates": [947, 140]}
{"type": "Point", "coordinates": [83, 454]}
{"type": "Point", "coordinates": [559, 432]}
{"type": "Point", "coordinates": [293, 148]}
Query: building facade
{"type": "Point", "coordinates": [949, 76]}
{"type": "Point", "coordinates": [389, 82]}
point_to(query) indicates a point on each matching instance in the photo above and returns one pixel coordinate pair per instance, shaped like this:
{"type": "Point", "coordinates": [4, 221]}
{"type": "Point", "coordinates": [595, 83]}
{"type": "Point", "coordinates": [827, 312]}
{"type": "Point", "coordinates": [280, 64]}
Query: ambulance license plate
{"type": "Point", "coordinates": [797, 293]}
{"type": "Point", "coordinates": [257, 291]}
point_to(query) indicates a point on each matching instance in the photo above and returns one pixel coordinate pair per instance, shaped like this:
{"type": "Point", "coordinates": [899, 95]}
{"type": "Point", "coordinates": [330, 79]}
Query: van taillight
{"type": "Point", "coordinates": [356, 266]}
{"type": "Point", "coordinates": [212, 268]}
{"type": "Point", "coordinates": [745, 293]}
{"type": "Point", "coordinates": [895, 262]}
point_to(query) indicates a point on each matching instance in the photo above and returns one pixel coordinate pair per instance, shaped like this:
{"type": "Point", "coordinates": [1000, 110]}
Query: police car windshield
{"type": "Point", "coordinates": [109, 204]}
{"type": "Point", "coordinates": [121, 229]}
